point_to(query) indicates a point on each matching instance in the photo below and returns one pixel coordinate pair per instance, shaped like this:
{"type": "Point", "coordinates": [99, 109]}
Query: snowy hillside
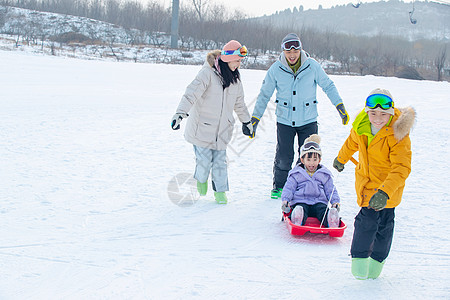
{"type": "Point", "coordinates": [371, 19]}
{"type": "Point", "coordinates": [42, 32]}
{"type": "Point", "coordinates": [88, 175]}
{"type": "Point", "coordinates": [52, 24]}
{"type": "Point", "coordinates": [78, 37]}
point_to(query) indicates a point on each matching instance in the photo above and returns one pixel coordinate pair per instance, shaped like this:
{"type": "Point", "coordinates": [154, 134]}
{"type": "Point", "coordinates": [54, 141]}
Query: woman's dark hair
{"type": "Point", "coordinates": [228, 77]}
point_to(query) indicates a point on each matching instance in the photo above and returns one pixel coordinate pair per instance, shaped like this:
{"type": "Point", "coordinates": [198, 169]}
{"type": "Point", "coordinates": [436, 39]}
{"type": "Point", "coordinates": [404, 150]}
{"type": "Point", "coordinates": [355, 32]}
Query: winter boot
{"type": "Point", "coordinates": [276, 193]}
{"type": "Point", "coordinates": [375, 268]}
{"type": "Point", "coordinates": [333, 218]}
{"type": "Point", "coordinates": [202, 188]}
{"type": "Point", "coordinates": [360, 267]}
{"type": "Point", "coordinates": [297, 215]}
{"type": "Point", "coordinates": [221, 197]}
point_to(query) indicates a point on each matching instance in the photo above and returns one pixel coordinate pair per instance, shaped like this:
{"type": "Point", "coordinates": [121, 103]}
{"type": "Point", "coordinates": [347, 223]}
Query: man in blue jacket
{"type": "Point", "coordinates": [295, 76]}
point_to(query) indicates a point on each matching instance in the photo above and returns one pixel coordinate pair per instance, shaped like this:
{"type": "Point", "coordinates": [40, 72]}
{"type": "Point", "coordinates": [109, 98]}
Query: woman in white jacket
{"type": "Point", "coordinates": [209, 101]}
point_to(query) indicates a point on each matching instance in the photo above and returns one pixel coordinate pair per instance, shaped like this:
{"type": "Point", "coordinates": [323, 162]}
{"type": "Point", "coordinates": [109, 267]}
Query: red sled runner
{"type": "Point", "coordinates": [313, 225]}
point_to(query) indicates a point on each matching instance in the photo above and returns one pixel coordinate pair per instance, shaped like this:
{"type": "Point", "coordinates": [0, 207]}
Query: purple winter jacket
{"type": "Point", "coordinates": [300, 187]}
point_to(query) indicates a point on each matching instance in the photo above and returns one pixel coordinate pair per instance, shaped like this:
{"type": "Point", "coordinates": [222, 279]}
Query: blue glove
{"type": "Point", "coordinates": [343, 113]}
{"type": "Point", "coordinates": [255, 122]}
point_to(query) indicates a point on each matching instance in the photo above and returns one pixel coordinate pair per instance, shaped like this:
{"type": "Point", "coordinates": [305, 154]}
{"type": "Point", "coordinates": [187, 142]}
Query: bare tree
{"type": "Point", "coordinates": [200, 7]}
{"type": "Point", "coordinates": [157, 17]}
{"type": "Point", "coordinates": [3, 12]}
{"type": "Point", "coordinates": [215, 22]}
{"type": "Point", "coordinates": [113, 11]}
{"type": "Point", "coordinates": [343, 53]}
{"type": "Point", "coordinates": [439, 61]}
{"type": "Point", "coordinates": [17, 28]}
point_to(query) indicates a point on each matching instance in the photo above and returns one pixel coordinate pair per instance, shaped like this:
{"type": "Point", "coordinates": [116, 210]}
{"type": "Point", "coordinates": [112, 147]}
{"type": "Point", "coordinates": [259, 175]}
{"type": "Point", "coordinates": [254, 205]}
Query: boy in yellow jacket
{"type": "Point", "coordinates": [381, 135]}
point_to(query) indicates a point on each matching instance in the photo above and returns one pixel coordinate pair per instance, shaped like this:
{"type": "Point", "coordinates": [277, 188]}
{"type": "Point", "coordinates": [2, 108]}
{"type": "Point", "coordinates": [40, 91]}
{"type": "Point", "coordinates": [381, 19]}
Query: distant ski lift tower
{"type": "Point", "coordinates": [357, 4]}
{"type": "Point", "coordinates": [411, 19]}
{"type": "Point", "coordinates": [174, 28]}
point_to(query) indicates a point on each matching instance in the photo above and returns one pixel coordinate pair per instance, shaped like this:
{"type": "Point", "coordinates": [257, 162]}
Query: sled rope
{"type": "Point", "coordinates": [332, 192]}
{"type": "Point", "coordinates": [329, 199]}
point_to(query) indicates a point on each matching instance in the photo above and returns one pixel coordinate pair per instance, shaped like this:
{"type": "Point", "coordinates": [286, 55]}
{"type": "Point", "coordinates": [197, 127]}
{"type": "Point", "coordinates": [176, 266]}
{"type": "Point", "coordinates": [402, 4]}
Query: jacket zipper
{"type": "Point", "coordinates": [220, 117]}
{"type": "Point", "coordinates": [295, 75]}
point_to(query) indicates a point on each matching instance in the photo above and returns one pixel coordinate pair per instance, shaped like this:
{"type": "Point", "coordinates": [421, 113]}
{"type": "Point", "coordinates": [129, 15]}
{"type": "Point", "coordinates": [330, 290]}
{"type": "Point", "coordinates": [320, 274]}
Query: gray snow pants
{"type": "Point", "coordinates": [214, 162]}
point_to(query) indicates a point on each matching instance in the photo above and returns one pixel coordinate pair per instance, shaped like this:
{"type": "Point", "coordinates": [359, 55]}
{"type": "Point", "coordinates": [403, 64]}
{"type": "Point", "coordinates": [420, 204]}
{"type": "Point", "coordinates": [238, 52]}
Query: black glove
{"type": "Point", "coordinates": [343, 113]}
{"type": "Point", "coordinates": [255, 122]}
{"type": "Point", "coordinates": [247, 129]}
{"type": "Point", "coordinates": [378, 200]}
{"type": "Point", "coordinates": [176, 120]}
{"type": "Point", "coordinates": [338, 165]}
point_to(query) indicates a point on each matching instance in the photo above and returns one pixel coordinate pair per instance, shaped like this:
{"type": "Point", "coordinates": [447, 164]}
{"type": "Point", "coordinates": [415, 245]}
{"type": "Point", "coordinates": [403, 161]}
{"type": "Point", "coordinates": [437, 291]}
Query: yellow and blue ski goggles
{"type": "Point", "coordinates": [242, 52]}
{"type": "Point", "coordinates": [379, 100]}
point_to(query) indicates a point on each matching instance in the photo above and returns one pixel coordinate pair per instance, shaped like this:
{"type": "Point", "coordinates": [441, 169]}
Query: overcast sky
{"type": "Point", "coordinates": [260, 7]}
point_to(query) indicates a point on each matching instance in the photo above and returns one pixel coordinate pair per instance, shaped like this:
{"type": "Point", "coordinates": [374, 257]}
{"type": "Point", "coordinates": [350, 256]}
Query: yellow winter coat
{"type": "Point", "coordinates": [385, 161]}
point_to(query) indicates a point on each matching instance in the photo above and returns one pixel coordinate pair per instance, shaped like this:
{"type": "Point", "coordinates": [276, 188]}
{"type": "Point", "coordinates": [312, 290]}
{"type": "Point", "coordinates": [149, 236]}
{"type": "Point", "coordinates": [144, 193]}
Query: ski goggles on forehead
{"type": "Point", "coordinates": [383, 101]}
{"type": "Point", "coordinates": [311, 145]}
{"type": "Point", "coordinates": [288, 45]}
{"type": "Point", "coordinates": [242, 52]}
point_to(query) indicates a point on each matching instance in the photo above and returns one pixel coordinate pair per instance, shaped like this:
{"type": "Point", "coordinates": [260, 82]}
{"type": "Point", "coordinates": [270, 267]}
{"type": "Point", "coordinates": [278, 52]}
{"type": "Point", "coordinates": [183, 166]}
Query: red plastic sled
{"type": "Point", "coordinates": [313, 225]}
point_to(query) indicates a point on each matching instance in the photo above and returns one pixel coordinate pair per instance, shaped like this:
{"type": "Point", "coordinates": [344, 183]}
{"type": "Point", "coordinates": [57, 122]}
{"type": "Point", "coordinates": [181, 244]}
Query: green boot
{"type": "Point", "coordinates": [276, 193]}
{"type": "Point", "coordinates": [202, 188]}
{"type": "Point", "coordinates": [360, 267]}
{"type": "Point", "coordinates": [375, 268]}
{"type": "Point", "coordinates": [221, 197]}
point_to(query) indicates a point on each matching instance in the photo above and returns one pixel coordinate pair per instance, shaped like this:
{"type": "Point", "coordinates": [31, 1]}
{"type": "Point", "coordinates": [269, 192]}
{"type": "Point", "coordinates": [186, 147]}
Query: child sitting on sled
{"type": "Point", "coordinates": [309, 188]}
{"type": "Point", "coordinates": [381, 135]}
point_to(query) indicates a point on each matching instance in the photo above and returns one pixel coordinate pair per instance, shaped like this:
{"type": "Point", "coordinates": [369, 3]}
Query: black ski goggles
{"type": "Point", "coordinates": [288, 45]}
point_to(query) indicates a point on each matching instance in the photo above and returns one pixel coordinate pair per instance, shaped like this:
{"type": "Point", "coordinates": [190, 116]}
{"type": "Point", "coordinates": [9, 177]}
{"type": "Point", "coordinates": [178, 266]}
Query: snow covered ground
{"type": "Point", "coordinates": [89, 208]}
{"type": "Point", "coordinates": [101, 40]}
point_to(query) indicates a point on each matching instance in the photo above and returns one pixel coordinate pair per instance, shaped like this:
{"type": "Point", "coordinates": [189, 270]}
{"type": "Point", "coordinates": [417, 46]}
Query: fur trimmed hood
{"type": "Point", "coordinates": [403, 122]}
{"type": "Point", "coordinates": [211, 57]}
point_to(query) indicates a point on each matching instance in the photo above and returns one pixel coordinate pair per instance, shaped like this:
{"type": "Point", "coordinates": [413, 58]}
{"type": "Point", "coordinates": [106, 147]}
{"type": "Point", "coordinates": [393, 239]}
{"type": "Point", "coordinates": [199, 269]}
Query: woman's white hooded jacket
{"type": "Point", "coordinates": [210, 107]}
